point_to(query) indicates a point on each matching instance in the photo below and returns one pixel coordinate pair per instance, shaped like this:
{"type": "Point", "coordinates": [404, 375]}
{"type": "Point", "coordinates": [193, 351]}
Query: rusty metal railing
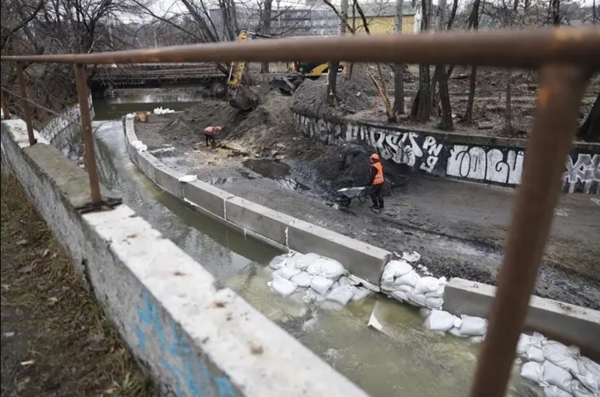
{"type": "Point", "coordinates": [565, 57]}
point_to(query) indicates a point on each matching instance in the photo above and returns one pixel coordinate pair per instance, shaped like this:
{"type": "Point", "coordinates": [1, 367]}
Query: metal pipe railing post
{"type": "Point", "coordinates": [5, 110]}
{"type": "Point", "coordinates": [561, 90]}
{"type": "Point", "coordinates": [86, 127]}
{"type": "Point", "coordinates": [25, 103]}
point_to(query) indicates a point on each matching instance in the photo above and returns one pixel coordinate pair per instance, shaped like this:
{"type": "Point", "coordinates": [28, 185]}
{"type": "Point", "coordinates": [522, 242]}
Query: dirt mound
{"type": "Point", "coordinates": [355, 91]}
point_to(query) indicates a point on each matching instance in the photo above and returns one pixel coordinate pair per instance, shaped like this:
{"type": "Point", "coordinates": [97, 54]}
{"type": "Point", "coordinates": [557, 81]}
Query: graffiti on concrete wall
{"type": "Point", "coordinates": [439, 156]}
{"type": "Point", "coordinates": [191, 376]}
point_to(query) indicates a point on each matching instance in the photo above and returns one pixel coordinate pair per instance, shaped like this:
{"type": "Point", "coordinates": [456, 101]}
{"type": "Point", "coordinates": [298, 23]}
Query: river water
{"type": "Point", "coordinates": [405, 360]}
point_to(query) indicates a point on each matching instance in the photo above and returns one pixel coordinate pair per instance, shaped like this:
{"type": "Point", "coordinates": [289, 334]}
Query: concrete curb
{"type": "Point", "coordinates": [195, 338]}
{"type": "Point", "coordinates": [270, 226]}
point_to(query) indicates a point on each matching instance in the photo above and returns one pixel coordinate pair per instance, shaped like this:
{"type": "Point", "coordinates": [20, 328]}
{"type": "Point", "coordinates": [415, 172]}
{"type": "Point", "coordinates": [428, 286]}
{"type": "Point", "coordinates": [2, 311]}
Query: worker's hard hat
{"type": "Point", "coordinates": [374, 157]}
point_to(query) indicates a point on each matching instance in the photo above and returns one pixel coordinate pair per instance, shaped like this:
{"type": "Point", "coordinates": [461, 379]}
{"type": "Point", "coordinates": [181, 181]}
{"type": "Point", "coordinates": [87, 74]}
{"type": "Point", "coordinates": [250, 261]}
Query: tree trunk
{"type": "Point", "coordinates": [399, 68]}
{"type": "Point", "coordinates": [423, 98]}
{"type": "Point", "coordinates": [446, 122]}
{"type": "Point", "coordinates": [333, 66]}
{"type": "Point", "coordinates": [508, 115]}
{"type": "Point", "coordinates": [474, 23]}
{"type": "Point", "coordinates": [590, 129]}
{"type": "Point", "coordinates": [264, 68]}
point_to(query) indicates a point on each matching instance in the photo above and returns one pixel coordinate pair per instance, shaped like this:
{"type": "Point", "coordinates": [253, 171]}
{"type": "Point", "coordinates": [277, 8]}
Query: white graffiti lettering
{"type": "Point", "coordinates": [586, 170]}
{"type": "Point", "coordinates": [492, 165]}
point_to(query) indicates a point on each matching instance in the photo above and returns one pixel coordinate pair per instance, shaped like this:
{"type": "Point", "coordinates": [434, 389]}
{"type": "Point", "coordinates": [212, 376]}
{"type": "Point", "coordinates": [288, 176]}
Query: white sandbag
{"type": "Point", "coordinates": [399, 296]}
{"type": "Point", "coordinates": [427, 284]}
{"type": "Point", "coordinates": [360, 293]}
{"type": "Point", "coordinates": [433, 303]}
{"type": "Point", "coordinates": [283, 286]}
{"type": "Point", "coordinates": [345, 280]}
{"type": "Point", "coordinates": [524, 344]}
{"type": "Point", "coordinates": [439, 293]}
{"type": "Point", "coordinates": [456, 332]}
{"type": "Point", "coordinates": [397, 268]}
{"type": "Point", "coordinates": [439, 320]}
{"type": "Point", "coordinates": [321, 284]}
{"type": "Point", "coordinates": [403, 288]}
{"type": "Point", "coordinates": [288, 272]}
{"type": "Point", "coordinates": [416, 299]}
{"type": "Point", "coordinates": [532, 371]}
{"type": "Point", "coordinates": [411, 279]}
{"type": "Point", "coordinates": [535, 354]}
{"type": "Point", "coordinates": [342, 294]}
{"type": "Point", "coordinates": [587, 366]}
{"type": "Point", "coordinates": [563, 356]}
{"type": "Point", "coordinates": [276, 274]}
{"type": "Point", "coordinates": [411, 256]}
{"type": "Point", "coordinates": [326, 267]}
{"type": "Point", "coordinates": [553, 391]}
{"type": "Point", "coordinates": [538, 340]}
{"type": "Point", "coordinates": [587, 380]}
{"type": "Point", "coordinates": [473, 326]}
{"type": "Point", "coordinates": [302, 262]}
{"type": "Point", "coordinates": [476, 339]}
{"type": "Point", "coordinates": [579, 390]}
{"type": "Point", "coordinates": [188, 178]}
{"type": "Point", "coordinates": [302, 279]}
{"type": "Point", "coordinates": [556, 376]}
{"type": "Point", "coordinates": [277, 262]}
{"type": "Point", "coordinates": [457, 322]}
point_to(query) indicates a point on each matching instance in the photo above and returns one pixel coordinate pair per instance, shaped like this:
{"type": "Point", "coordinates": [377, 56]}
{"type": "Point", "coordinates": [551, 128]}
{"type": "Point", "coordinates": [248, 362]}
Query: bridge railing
{"type": "Point", "coordinates": [565, 58]}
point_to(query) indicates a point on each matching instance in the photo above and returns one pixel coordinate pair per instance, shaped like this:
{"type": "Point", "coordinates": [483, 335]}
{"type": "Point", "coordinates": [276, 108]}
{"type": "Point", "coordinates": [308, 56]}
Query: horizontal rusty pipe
{"type": "Point", "coordinates": [520, 49]}
{"type": "Point", "coordinates": [560, 94]}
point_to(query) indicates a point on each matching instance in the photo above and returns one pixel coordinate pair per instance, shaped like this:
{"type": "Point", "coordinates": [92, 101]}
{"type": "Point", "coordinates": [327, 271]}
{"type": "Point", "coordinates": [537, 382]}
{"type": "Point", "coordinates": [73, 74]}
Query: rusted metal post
{"type": "Point", "coordinates": [5, 110]}
{"type": "Point", "coordinates": [560, 94]}
{"type": "Point", "coordinates": [86, 127]}
{"type": "Point", "coordinates": [25, 104]}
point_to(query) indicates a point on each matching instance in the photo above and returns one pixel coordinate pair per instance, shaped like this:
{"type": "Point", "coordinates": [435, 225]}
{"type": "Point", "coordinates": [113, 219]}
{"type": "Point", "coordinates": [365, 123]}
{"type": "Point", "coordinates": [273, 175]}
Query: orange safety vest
{"type": "Point", "coordinates": [212, 130]}
{"type": "Point", "coordinates": [379, 176]}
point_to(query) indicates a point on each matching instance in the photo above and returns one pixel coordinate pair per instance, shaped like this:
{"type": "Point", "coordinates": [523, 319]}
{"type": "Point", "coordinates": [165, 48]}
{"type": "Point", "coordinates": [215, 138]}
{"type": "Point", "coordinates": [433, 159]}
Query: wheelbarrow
{"type": "Point", "coordinates": [344, 196]}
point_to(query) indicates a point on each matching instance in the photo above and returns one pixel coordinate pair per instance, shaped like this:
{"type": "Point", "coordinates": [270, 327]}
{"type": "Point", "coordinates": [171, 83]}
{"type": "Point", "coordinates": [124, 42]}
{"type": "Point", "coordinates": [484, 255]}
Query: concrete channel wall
{"type": "Point", "coordinates": [362, 260]}
{"type": "Point", "coordinates": [194, 337]}
{"type": "Point", "coordinates": [62, 128]}
{"type": "Point", "coordinates": [483, 159]}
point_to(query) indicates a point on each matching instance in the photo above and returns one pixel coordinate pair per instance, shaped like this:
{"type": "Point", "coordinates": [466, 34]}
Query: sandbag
{"type": "Point", "coordinates": [579, 390]}
{"type": "Point", "coordinates": [327, 268]}
{"type": "Point", "coordinates": [276, 274]}
{"type": "Point", "coordinates": [397, 268]}
{"type": "Point", "coordinates": [411, 256]}
{"type": "Point", "coordinates": [360, 293]}
{"type": "Point", "coordinates": [416, 299]}
{"type": "Point", "coordinates": [587, 380]}
{"type": "Point", "coordinates": [473, 326]}
{"type": "Point", "coordinates": [427, 284]}
{"type": "Point", "coordinates": [553, 391]}
{"type": "Point", "coordinates": [439, 293]}
{"type": "Point", "coordinates": [535, 354]}
{"type": "Point", "coordinates": [288, 272]}
{"type": "Point", "coordinates": [532, 371]}
{"type": "Point", "coordinates": [433, 303]}
{"type": "Point", "coordinates": [538, 340]}
{"type": "Point", "coordinates": [399, 296]}
{"type": "Point", "coordinates": [345, 280]}
{"type": "Point", "coordinates": [556, 376]}
{"type": "Point", "coordinates": [456, 332]}
{"type": "Point", "coordinates": [302, 279]}
{"type": "Point", "coordinates": [321, 284]}
{"type": "Point", "coordinates": [587, 366]}
{"type": "Point", "coordinates": [403, 288]}
{"type": "Point", "coordinates": [439, 320]}
{"type": "Point", "coordinates": [561, 355]}
{"type": "Point", "coordinates": [304, 261]}
{"type": "Point", "coordinates": [342, 294]}
{"type": "Point", "coordinates": [524, 344]}
{"type": "Point", "coordinates": [411, 279]}
{"type": "Point", "coordinates": [283, 286]}
{"type": "Point", "coordinates": [295, 260]}
{"type": "Point", "coordinates": [277, 262]}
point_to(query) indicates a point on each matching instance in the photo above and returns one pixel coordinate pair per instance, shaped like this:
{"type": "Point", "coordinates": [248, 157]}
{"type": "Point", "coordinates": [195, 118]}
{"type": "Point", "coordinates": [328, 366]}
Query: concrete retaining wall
{"type": "Point", "coordinates": [280, 230]}
{"type": "Point", "coordinates": [196, 339]}
{"type": "Point", "coordinates": [574, 322]}
{"type": "Point", "coordinates": [61, 129]}
{"type": "Point", "coordinates": [460, 156]}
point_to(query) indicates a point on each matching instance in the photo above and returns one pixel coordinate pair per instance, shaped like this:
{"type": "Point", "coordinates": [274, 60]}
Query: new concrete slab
{"type": "Point", "coordinates": [206, 196]}
{"type": "Point", "coordinates": [363, 260]}
{"type": "Point", "coordinates": [574, 322]}
{"type": "Point", "coordinates": [258, 219]}
{"type": "Point", "coordinates": [168, 179]}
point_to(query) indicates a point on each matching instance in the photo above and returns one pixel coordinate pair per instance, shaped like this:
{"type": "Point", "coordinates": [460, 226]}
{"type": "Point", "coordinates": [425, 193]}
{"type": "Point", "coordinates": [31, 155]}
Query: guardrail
{"type": "Point", "coordinates": [565, 57]}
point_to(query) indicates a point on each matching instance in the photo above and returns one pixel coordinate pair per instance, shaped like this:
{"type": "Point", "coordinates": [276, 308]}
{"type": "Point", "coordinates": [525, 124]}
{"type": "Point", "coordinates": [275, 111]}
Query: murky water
{"type": "Point", "coordinates": [404, 360]}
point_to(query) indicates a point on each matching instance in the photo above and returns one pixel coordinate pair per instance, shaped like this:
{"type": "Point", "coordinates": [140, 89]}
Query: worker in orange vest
{"type": "Point", "coordinates": [376, 180]}
{"type": "Point", "coordinates": [210, 132]}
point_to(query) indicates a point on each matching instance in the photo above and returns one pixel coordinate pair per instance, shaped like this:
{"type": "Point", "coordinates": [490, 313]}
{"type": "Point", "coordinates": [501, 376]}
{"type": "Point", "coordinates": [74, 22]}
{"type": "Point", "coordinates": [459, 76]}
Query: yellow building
{"type": "Point", "coordinates": [381, 18]}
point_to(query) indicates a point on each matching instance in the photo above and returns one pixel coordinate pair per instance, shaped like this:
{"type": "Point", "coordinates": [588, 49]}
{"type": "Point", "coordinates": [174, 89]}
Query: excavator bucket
{"type": "Point", "coordinates": [243, 98]}
{"type": "Point", "coordinates": [287, 85]}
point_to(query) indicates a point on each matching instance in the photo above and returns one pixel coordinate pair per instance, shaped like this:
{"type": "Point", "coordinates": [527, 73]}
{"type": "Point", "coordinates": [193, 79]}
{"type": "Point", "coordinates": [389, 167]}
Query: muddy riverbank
{"type": "Point", "coordinates": [459, 228]}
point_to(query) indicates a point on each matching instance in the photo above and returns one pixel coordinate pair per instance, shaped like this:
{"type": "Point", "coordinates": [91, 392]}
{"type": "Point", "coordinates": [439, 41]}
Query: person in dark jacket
{"type": "Point", "coordinates": [376, 180]}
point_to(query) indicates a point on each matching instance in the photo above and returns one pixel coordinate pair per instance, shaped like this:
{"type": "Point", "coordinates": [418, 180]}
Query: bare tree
{"type": "Point", "coordinates": [473, 23]}
{"type": "Point", "coordinates": [333, 66]}
{"type": "Point", "coordinates": [446, 122]}
{"type": "Point", "coordinates": [266, 28]}
{"type": "Point", "coordinates": [421, 110]}
{"type": "Point", "coordinates": [399, 68]}
{"type": "Point", "coordinates": [590, 129]}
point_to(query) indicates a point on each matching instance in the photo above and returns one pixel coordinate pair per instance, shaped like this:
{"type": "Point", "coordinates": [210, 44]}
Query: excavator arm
{"type": "Point", "coordinates": [240, 95]}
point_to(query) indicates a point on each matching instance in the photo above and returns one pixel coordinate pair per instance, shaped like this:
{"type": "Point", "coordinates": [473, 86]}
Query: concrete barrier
{"type": "Point", "coordinates": [169, 180]}
{"type": "Point", "coordinates": [361, 259]}
{"type": "Point", "coordinates": [194, 338]}
{"type": "Point", "coordinates": [206, 196]}
{"type": "Point", "coordinates": [574, 322]}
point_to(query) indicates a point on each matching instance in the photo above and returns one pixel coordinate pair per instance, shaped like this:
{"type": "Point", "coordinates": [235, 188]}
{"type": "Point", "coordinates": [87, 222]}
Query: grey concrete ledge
{"type": "Point", "coordinates": [574, 322]}
{"type": "Point", "coordinates": [195, 338]}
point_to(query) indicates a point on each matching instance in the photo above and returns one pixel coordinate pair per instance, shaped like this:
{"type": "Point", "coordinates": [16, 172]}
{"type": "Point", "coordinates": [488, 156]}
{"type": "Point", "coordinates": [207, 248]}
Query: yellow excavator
{"type": "Point", "coordinates": [240, 95]}
{"type": "Point", "coordinates": [299, 71]}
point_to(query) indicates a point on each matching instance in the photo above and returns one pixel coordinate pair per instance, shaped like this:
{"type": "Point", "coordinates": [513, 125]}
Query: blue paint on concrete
{"type": "Point", "coordinates": [190, 374]}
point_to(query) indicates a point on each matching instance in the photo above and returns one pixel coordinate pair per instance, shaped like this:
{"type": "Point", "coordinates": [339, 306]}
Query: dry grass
{"type": "Point", "coordinates": [56, 340]}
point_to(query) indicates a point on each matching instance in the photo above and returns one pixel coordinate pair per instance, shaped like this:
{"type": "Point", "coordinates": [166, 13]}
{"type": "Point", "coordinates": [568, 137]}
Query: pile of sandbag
{"type": "Point", "coordinates": [321, 279]}
{"type": "Point", "coordinates": [559, 369]}
{"type": "Point", "coordinates": [463, 326]}
{"type": "Point", "coordinates": [402, 282]}
{"type": "Point", "coordinates": [139, 146]}
{"type": "Point", "coordinates": [160, 110]}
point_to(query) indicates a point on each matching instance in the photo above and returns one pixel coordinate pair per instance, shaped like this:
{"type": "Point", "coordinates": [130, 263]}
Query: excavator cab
{"type": "Point", "coordinates": [299, 71]}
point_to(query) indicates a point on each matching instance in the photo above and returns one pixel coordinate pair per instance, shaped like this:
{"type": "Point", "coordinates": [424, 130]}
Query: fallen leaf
{"type": "Point", "coordinates": [26, 363]}
{"type": "Point", "coordinates": [45, 253]}
{"type": "Point", "coordinates": [29, 268]}
{"type": "Point", "coordinates": [21, 242]}
{"type": "Point", "coordinates": [52, 301]}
